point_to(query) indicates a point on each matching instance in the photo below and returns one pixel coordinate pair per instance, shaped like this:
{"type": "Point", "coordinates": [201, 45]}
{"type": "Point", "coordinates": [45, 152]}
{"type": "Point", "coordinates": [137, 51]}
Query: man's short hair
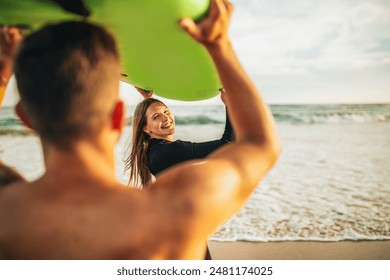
{"type": "Point", "coordinates": [65, 75]}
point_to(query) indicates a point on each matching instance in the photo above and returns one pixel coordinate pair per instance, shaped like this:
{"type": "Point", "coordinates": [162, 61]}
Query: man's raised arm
{"type": "Point", "coordinates": [225, 180]}
{"type": "Point", "coordinates": [257, 146]}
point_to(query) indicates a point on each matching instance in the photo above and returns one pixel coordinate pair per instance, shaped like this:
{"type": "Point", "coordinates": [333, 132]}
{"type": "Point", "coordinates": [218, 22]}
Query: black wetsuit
{"type": "Point", "coordinates": [164, 153]}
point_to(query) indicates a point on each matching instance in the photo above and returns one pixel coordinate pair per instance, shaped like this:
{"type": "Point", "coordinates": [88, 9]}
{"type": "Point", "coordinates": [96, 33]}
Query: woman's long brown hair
{"type": "Point", "coordinates": [137, 161]}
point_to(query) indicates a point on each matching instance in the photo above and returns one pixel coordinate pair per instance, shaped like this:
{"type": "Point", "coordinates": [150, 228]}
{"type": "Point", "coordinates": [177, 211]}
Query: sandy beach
{"type": "Point", "coordinates": [301, 250]}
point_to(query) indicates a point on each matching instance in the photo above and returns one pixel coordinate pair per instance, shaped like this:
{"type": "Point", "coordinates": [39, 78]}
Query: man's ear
{"type": "Point", "coordinates": [118, 116]}
{"type": "Point", "coordinates": [22, 115]}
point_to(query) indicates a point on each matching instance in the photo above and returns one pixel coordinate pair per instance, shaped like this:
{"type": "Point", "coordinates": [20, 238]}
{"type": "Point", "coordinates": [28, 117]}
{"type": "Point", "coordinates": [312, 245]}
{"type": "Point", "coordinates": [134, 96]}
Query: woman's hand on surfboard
{"type": "Point", "coordinates": [223, 95]}
{"type": "Point", "coordinates": [10, 37]}
{"type": "Point", "coordinates": [211, 30]}
{"type": "Point", "coordinates": [145, 93]}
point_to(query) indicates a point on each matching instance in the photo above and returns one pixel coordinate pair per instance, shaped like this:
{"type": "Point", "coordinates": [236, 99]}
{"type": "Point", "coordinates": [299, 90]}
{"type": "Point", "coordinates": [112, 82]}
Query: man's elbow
{"type": "Point", "coordinates": [270, 151]}
{"type": "Point", "coordinates": [270, 148]}
{"type": "Point", "coordinates": [274, 151]}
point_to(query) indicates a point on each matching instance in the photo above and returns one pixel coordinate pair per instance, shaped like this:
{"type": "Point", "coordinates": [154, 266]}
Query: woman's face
{"type": "Point", "coordinates": [160, 122]}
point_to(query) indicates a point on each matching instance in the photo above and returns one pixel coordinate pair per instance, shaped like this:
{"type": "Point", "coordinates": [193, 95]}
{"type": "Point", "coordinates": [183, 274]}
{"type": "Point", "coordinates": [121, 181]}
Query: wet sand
{"type": "Point", "coordinates": [301, 250]}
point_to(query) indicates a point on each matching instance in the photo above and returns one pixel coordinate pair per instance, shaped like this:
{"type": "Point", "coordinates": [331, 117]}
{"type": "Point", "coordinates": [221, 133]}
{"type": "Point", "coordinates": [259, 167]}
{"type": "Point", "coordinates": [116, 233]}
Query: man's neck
{"type": "Point", "coordinates": [84, 160]}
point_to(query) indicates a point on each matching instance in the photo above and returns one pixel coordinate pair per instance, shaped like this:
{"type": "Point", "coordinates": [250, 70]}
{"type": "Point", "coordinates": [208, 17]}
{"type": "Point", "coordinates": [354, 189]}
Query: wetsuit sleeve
{"type": "Point", "coordinates": [203, 149]}
{"type": "Point", "coordinates": [228, 133]}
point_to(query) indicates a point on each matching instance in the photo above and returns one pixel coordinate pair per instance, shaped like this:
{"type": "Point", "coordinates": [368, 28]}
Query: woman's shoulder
{"type": "Point", "coordinates": [164, 142]}
{"type": "Point", "coordinates": [172, 147]}
{"type": "Point", "coordinates": [163, 154]}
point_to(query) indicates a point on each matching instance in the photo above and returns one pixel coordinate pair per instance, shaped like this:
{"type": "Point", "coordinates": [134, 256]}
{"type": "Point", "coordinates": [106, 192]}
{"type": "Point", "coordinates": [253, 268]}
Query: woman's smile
{"type": "Point", "coordinates": [160, 122]}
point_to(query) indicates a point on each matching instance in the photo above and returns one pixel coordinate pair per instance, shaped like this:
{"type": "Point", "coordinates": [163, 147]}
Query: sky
{"type": "Point", "coordinates": [310, 51]}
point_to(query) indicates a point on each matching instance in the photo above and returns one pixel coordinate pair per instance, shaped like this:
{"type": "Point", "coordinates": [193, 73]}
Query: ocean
{"type": "Point", "coordinates": [332, 181]}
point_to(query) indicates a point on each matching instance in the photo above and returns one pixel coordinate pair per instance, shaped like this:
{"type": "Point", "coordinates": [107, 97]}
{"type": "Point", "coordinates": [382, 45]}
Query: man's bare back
{"type": "Point", "coordinates": [91, 222]}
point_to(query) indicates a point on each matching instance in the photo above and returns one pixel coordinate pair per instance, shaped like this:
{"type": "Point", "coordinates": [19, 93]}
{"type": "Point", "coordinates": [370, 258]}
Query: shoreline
{"type": "Point", "coordinates": [301, 250]}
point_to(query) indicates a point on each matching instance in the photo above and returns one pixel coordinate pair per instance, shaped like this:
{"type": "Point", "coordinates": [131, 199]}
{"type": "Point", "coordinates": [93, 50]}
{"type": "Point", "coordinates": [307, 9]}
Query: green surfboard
{"type": "Point", "coordinates": [156, 53]}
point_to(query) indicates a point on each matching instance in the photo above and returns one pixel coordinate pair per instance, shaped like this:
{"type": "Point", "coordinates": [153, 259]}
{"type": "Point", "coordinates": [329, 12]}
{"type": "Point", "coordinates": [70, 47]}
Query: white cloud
{"type": "Point", "coordinates": [313, 41]}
